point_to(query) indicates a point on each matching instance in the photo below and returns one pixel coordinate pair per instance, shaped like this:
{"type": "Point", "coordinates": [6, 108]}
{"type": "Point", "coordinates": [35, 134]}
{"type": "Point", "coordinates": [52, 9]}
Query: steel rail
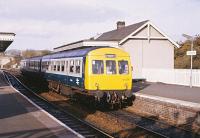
{"type": "Point", "coordinates": [80, 126]}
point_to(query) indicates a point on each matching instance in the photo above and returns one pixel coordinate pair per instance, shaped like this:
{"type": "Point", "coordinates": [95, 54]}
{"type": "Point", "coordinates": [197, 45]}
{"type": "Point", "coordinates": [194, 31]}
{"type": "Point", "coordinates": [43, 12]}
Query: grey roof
{"type": "Point", "coordinates": [119, 34]}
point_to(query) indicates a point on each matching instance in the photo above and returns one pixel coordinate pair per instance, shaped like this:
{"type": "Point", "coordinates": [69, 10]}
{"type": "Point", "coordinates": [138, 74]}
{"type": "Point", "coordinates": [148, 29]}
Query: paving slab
{"type": "Point", "coordinates": [177, 92]}
{"type": "Point", "coordinates": [20, 118]}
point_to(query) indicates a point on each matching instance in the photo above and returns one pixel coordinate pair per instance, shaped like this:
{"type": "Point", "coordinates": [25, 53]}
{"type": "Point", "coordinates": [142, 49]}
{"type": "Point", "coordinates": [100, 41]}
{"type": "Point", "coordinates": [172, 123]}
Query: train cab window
{"type": "Point", "coordinates": [71, 67]}
{"type": "Point", "coordinates": [110, 67]}
{"type": "Point", "coordinates": [78, 66]}
{"type": "Point", "coordinates": [62, 66]}
{"type": "Point", "coordinates": [123, 67]}
{"type": "Point", "coordinates": [97, 67]}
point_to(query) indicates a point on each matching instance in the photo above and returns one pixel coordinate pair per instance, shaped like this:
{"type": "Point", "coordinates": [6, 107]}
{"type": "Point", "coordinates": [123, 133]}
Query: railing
{"type": "Point", "coordinates": [172, 76]}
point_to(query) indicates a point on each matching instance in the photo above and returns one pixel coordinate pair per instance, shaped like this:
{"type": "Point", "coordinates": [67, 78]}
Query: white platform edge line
{"type": "Point", "coordinates": [169, 100]}
{"type": "Point", "coordinates": [52, 117]}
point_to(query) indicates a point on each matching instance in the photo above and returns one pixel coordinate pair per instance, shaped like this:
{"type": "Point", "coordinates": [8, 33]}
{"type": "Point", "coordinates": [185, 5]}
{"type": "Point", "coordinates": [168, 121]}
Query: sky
{"type": "Point", "coordinates": [45, 24]}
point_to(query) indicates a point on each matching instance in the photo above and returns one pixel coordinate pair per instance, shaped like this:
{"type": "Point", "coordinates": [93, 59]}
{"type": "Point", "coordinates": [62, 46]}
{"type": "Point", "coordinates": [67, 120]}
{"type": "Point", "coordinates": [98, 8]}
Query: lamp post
{"type": "Point", "coordinates": [191, 53]}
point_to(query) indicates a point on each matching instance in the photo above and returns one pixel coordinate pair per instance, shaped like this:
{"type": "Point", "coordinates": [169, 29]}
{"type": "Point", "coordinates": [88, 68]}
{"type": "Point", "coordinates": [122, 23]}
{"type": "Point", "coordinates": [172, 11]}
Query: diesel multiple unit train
{"type": "Point", "coordinates": [101, 73]}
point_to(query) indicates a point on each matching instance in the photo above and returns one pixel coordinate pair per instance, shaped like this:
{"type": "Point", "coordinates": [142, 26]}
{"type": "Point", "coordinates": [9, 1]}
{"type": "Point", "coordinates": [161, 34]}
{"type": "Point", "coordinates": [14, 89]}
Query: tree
{"type": "Point", "coordinates": [32, 53]}
{"type": "Point", "coordinates": [182, 61]}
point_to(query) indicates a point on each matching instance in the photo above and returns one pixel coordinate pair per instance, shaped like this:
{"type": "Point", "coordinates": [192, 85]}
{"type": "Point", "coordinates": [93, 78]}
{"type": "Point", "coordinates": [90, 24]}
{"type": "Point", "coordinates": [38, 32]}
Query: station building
{"type": "Point", "coordinates": [5, 40]}
{"type": "Point", "coordinates": [148, 46]}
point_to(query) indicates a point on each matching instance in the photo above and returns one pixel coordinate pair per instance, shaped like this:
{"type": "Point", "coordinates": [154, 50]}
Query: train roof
{"type": "Point", "coordinates": [67, 54]}
{"type": "Point", "coordinates": [70, 53]}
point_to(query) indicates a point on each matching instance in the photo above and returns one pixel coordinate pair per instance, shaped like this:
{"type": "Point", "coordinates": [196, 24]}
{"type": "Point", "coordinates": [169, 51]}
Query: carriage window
{"type": "Point", "coordinates": [58, 65]}
{"type": "Point", "coordinates": [78, 66]}
{"type": "Point", "coordinates": [123, 67]}
{"type": "Point", "coordinates": [49, 66]}
{"type": "Point", "coordinates": [66, 66]}
{"type": "Point", "coordinates": [71, 67]}
{"type": "Point", "coordinates": [44, 65]}
{"type": "Point", "coordinates": [62, 65]}
{"type": "Point", "coordinates": [54, 66]}
{"type": "Point", "coordinates": [36, 65]}
{"type": "Point", "coordinates": [97, 67]}
{"type": "Point", "coordinates": [110, 67]}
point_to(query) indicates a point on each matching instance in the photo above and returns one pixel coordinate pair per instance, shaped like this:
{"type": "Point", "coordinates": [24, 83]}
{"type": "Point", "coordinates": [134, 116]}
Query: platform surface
{"type": "Point", "coordinates": [19, 118]}
{"type": "Point", "coordinates": [177, 92]}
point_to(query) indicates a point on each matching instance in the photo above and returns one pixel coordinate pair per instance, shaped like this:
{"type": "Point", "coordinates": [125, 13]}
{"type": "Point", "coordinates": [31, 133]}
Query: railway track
{"type": "Point", "coordinates": [83, 128]}
{"type": "Point", "coordinates": [160, 129]}
{"type": "Point", "coordinates": [151, 126]}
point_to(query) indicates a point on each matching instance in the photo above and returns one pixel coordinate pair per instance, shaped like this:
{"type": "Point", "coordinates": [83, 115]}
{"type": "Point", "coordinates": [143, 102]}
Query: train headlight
{"type": "Point", "coordinates": [126, 86]}
{"type": "Point", "coordinates": [97, 85]}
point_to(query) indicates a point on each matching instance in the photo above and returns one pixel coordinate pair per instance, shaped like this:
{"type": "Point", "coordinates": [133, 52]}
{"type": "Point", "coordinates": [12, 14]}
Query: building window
{"type": "Point", "coordinates": [71, 67]}
{"type": "Point", "coordinates": [123, 67]}
{"type": "Point", "coordinates": [97, 67]}
{"type": "Point", "coordinates": [110, 67]}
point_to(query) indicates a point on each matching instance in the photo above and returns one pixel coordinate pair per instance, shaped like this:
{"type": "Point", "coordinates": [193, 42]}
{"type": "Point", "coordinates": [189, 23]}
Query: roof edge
{"type": "Point", "coordinates": [69, 44]}
{"type": "Point", "coordinates": [152, 24]}
{"type": "Point", "coordinates": [7, 33]}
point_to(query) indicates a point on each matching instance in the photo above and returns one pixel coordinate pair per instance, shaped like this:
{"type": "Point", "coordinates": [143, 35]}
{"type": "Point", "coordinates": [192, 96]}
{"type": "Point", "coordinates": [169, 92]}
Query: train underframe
{"type": "Point", "coordinates": [103, 98]}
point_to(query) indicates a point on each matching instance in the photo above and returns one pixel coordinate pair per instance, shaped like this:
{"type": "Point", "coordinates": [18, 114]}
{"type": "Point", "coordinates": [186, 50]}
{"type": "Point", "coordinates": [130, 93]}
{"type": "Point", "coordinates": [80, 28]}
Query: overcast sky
{"type": "Point", "coordinates": [44, 24]}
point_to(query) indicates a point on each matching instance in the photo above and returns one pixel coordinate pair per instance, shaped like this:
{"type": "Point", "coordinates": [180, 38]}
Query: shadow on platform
{"type": "Point", "coordinates": [13, 104]}
{"type": "Point", "coordinates": [42, 133]}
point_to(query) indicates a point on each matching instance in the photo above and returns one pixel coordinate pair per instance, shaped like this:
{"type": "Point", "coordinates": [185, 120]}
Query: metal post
{"type": "Point", "coordinates": [191, 65]}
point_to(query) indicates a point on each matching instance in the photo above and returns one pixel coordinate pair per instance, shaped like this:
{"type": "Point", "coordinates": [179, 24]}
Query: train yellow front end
{"type": "Point", "coordinates": [108, 75]}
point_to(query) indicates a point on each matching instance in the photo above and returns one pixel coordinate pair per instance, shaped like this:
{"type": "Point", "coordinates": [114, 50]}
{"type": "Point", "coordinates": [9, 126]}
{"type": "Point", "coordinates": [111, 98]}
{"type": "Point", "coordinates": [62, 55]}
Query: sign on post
{"type": "Point", "coordinates": [191, 53]}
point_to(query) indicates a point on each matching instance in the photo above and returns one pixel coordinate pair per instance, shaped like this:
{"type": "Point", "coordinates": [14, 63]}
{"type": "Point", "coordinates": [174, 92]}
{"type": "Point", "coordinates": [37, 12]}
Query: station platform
{"type": "Point", "coordinates": [175, 104]}
{"type": "Point", "coordinates": [178, 92]}
{"type": "Point", "coordinates": [20, 118]}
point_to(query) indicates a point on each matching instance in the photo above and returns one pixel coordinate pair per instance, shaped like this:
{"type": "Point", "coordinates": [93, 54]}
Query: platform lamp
{"type": "Point", "coordinates": [191, 55]}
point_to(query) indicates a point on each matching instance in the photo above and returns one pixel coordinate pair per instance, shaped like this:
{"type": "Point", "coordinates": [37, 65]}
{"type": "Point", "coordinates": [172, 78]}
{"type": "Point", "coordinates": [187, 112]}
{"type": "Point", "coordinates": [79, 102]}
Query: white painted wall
{"type": "Point", "coordinates": [152, 53]}
{"type": "Point", "coordinates": [158, 54]}
{"type": "Point", "coordinates": [172, 76]}
{"type": "Point", "coordinates": [135, 50]}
